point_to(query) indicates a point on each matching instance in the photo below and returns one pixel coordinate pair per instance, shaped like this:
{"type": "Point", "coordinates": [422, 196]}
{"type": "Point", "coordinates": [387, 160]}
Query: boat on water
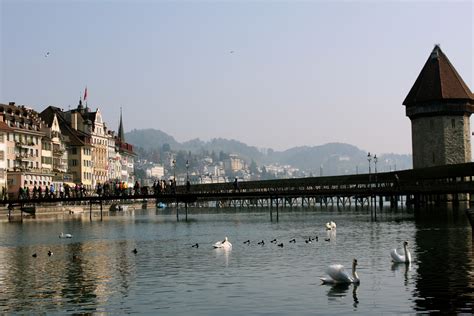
{"type": "Point", "coordinates": [160, 205]}
{"type": "Point", "coordinates": [118, 207]}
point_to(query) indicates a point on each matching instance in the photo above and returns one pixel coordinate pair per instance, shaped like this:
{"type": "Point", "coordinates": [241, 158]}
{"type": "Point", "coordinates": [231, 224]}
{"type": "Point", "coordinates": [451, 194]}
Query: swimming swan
{"type": "Point", "coordinates": [62, 235]}
{"type": "Point", "coordinates": [223, 244]}
{"type": "Point", "coordinates": [401, 257]}
{"type": "Point", "coordinates": [337, 274]}
{"type": "Point", "coordinates": [330, 225]}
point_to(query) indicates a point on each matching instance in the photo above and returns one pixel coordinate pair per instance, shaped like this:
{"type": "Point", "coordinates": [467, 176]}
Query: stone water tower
{"type": "Point", "coordinates": [439, 106]}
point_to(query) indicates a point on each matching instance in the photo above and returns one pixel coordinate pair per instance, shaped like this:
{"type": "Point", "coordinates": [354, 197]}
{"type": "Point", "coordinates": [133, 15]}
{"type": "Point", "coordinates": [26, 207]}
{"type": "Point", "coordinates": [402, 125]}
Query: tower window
{"type": "Point", "coordinates": [453, 123]}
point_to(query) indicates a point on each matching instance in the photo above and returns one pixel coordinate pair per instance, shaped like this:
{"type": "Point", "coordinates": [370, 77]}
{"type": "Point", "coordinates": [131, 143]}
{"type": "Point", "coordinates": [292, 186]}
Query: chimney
{"type": "Point", "coordinates": [11, 103]}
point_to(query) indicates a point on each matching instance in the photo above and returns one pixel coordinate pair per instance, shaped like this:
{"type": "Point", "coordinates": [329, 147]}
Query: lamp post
{"type": "Point", "coordinates": [369, 158]}
{"type": "Point", "coordinates": [187, 171]}
{"type": "Point", "coordinates": [174, 171]}
{"type": "Point", "coordinates": [375, 163]}
{"type": "Point", "coordinates": [375, 168]}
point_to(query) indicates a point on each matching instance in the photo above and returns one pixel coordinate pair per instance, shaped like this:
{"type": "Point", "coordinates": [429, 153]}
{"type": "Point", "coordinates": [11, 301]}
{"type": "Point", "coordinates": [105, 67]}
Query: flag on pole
{"type": "Point", "coordinates": [85, 94]}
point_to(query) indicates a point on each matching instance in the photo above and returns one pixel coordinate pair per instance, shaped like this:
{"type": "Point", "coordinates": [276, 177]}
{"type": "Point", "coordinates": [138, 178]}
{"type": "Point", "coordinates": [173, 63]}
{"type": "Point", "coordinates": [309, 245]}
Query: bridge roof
{"type": "Point", "coordinates": [438, 81]}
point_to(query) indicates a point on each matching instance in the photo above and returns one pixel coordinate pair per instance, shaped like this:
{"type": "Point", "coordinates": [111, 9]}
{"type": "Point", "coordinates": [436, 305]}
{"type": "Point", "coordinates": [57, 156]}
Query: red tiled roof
{"type": "Point", "coordinates": [438, 81]}
{"type": "Point", "coordinates": [4, 126]}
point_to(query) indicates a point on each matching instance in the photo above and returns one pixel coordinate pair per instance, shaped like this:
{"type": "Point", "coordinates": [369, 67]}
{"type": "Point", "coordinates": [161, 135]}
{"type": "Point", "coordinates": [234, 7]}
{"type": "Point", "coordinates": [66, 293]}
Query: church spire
{"type": "Point", "coordinates": [121, 134]}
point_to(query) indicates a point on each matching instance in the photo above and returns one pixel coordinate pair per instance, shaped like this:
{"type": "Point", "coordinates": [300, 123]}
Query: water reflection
{"type": "Point", "coordinates": [404, 268]}
{"type": "Point", "coordinates": [444, 280]}
{"type": "Point", "coordinates": [337, 291]}
{"type": "Point", "coordinates": [331, 235]}
{"type": "Point", "coordinates": [223, 254]}
{"type": "Point", "coordinates": [97, 272]}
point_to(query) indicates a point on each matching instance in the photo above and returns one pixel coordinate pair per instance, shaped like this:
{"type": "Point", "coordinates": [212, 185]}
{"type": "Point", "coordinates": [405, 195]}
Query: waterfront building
{"type": "Point", "coordinates": [233, 163]}
{"type": "Point", "coordinates": [100, 144]}
{"type": "Point", "coordinates": [157, 172]}
{"type": "Point", "coordinates": [23, 131]}
{"type": "Point", "coordinates": [77, 134]}
{"type": "Point", "coordinates": [114, 166]}
{"type": "Point", "coordinates": [3, 161]}
{"type": "Point", "coordinates": [54, 155]}
{"type": "Point", "coordinates": [127, 156]}
{"type": "Point", "coordinates": [439, 106]}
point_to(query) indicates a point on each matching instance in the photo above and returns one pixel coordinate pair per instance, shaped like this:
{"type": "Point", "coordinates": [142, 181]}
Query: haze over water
{"type": "Point", "coordinates": [96, 271]}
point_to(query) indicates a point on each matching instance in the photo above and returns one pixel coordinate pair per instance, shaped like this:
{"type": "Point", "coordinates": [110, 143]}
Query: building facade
{"type": "Point", "coordinates": [24, 132]}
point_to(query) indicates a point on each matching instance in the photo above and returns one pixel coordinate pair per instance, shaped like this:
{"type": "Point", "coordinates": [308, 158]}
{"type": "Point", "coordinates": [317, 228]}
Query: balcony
{"type": "Point", "coordinates": [24, 144]}
{"type": "Point", "coordinates": [24, 156]}
{"type": "Point", "coordinates": [59, 151]}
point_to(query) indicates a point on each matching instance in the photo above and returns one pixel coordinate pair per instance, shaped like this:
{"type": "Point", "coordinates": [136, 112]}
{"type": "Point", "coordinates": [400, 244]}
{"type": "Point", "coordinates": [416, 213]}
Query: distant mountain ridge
{"type": "Point", "coordinates": [327, 159]}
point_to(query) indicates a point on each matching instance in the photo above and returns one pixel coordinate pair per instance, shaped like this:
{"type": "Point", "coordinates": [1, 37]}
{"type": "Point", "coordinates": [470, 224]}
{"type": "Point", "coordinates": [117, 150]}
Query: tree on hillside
{"type": "Point", "coordinates": [253, 167]}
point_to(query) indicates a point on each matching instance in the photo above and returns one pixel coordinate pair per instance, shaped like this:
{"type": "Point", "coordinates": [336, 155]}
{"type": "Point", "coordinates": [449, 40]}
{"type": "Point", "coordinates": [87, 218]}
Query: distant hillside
{"type": "Point", "coordinates": [338, 158]}
{"type": "Point", "coordinates": [150, 138]}
{"type": "Point", "coordinates": [327, 159]}
{"type": "Point", "coordinates": [231, 146]}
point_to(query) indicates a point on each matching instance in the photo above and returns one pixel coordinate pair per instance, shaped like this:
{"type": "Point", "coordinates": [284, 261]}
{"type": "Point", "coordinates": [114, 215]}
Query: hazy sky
{"type": "Point", "coordinates": [272, 74]}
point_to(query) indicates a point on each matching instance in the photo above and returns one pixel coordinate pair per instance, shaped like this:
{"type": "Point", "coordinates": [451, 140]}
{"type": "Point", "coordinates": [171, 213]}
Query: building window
{"type": "Point", "coordinates": [74, 151]}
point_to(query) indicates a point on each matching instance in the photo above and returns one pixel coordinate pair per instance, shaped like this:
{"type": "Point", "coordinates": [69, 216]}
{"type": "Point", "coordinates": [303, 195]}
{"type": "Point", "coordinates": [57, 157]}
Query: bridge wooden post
{"type": "Point", "coordinates": [186, 208]}
{"type": "Point", "coordinates": [277, 208]}
{"type": "Point", "coordinates": [375, 208]}
{"type": "Point", "coordinates": [271, 210]}
{"type": "Point", "coordinates": [177, 210]}
{"type": "Point", "coordinates": [101, 210]}
{"type": "Point", "coordinates": [90, 210]}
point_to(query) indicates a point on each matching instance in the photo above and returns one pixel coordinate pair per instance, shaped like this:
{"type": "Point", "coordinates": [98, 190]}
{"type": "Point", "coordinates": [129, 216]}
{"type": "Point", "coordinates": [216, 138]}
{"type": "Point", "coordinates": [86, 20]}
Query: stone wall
{"type": "Point", "coordinates": [440, 140]}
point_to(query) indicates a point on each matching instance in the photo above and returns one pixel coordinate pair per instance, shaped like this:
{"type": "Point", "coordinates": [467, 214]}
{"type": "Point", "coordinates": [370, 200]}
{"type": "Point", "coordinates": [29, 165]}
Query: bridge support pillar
{"type": "Point", "coordinates": [277, 208]}
{"type": "Point", "coordinates": [271, 210]}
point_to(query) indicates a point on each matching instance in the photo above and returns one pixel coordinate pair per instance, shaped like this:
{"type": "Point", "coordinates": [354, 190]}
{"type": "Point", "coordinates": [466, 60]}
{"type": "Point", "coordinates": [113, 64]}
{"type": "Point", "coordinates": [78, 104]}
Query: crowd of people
{"type": "Point", "coordinates": [78, 190]}
{"type": "Point", "coordinates": [110, 188]}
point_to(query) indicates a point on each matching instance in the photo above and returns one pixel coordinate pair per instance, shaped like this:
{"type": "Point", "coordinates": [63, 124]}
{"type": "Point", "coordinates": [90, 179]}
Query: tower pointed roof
{"type": "Point", "coordinates": [438, 81]}
{"type": "Point", "coordinates": [121, 134]}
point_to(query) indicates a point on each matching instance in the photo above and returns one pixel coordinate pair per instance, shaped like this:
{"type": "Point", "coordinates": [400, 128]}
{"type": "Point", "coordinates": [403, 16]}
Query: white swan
{"type": "Point", "coordinates": [399, 257]}
{"type": "Point", "coordinates": [62, 235]}
{"type": "Point", "coordinates": [330, 225]}
{"type": "Point", "coordinates": [337, 274]}
{"type": "Point", "coordinates": [223, 244]}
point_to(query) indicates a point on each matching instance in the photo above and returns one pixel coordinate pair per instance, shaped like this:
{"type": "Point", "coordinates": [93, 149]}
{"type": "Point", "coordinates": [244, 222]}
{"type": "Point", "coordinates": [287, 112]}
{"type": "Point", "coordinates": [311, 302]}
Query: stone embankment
{"type": "Point", "coordinates": [58, 211]}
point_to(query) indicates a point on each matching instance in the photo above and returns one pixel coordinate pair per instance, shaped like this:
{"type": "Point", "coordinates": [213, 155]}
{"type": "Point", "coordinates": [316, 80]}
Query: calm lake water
{"type": "Point", "coordinates": [96, 271]}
